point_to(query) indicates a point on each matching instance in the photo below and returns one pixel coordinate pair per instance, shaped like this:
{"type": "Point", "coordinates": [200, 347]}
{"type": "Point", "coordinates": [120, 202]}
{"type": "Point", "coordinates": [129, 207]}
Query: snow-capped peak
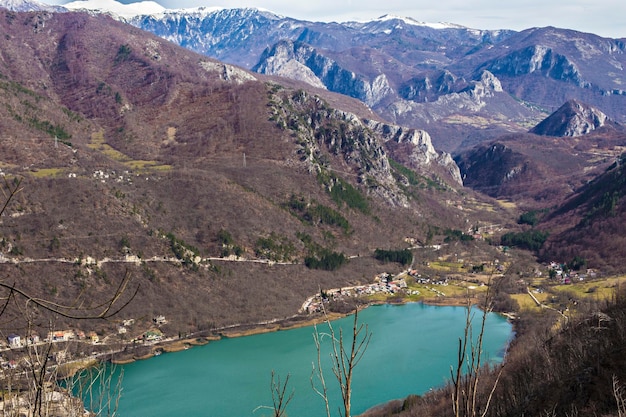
{"type": "Point", "coordinates": [208, 10]}
{"type": "Point", "coordinates": [195, 11]}
{"type": "Point", "coordinates": [27, 6]}
{"type": "Point", "coordinates": [123, 10]}
{"type": "Point", "coordinates": [413, 22]}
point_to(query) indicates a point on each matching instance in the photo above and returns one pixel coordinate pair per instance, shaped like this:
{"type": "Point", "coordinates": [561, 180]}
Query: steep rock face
{"type": "Point", "coordinates": [416, 146]}
{"type": "Point", "coordinates": [284, 60]}
{"type": "Point", "coordinates": [571, 119]}
{"type": "Point", "coordinates": [537, 59]}
{"type": "Point", "coordinates": [474, 97]}
{"type": "Point", "coordinates": [301, 61]}
{"type": "Point", "coordinates": [429, 86]}
{"type": "Point", "coordinates": [324, 133]}
{"type": "Point", "coordinates": [486, 86]}
{"type": "Point", "coordinates": [237, 36]}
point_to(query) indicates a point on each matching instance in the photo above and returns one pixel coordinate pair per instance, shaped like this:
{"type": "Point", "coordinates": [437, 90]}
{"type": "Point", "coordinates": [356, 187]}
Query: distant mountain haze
{"type": "Point", "coordinates": [421, 75]}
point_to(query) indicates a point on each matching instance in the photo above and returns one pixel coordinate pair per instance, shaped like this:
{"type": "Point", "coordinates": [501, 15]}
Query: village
{"type": "Point", "coordinates": [406, 285]}
{"type": "Point", "coordinates": [384, 284]}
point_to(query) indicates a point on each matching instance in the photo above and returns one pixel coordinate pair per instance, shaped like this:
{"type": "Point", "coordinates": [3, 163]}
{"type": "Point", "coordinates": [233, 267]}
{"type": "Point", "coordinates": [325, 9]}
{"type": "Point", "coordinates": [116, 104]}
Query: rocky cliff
{"type": "Point", "coordinates": [303, 62]}
{"type": "Point", "coordinates": [573, 119]}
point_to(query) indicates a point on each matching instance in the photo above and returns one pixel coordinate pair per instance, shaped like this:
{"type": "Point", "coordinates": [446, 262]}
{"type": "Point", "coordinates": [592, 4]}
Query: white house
{"type": "Point", "coordinates": [14, 340]}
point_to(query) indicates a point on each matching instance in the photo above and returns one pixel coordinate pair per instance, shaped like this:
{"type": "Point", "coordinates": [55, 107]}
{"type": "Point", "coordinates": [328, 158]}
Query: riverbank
{"type": "Point", "coordinates": [293, 322]}
{"type": "Point", "coordinates": [330, 305]}
{"type": "Point", "coordinates": [242, 330]}
{"type": "Point", "coordinates": [213, 376]}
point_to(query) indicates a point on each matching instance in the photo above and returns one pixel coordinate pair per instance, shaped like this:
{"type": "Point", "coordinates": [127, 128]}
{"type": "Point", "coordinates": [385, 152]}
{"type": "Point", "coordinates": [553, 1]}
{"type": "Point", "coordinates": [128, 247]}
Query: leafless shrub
{"type": "Point", "coordinates": [29, 381]}
{"type": "Point", "coordinates": [280, 399]}
{"type": "Point", "coordinates": [345, 356]}
{"type": "Point", "coordinates": [466, 376]}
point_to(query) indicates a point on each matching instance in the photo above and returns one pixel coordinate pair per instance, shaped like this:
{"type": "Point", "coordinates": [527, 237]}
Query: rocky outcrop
{"type": "Point", "coordinates": [421, 154]}
{"type": "Point", "coordinates": [537, 59]}
{"type": "Point", "coordinates": [331, 140]}
{"type": "Point", "coordinates": [303, 62]}
{"type": "Point", "coordinates": [285, 60]}
{"type": "Point", "coordinates": [428, 87]}
{"type": "Point", "coordinates": [572, 119]}
{"type": "Point", "coordinates": [476, 96]}
{"type": "Point", "coordinates": [227, 72]}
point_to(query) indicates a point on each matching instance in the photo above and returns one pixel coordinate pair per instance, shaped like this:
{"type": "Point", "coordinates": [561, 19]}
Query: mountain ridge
{"type": "Point", "coordinates": [134, 149]}
{"type": "Point", "coordinates": [538, 69]}
{"type": "Point", "coordinates": [573, 119]}
{"type": "Point", "coordinates": [229, 197]}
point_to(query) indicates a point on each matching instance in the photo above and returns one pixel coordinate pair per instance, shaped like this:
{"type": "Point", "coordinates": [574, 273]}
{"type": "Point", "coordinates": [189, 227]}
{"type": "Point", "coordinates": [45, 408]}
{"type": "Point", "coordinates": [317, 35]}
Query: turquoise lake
{"type": "Point", "coordinates": [411, 350]}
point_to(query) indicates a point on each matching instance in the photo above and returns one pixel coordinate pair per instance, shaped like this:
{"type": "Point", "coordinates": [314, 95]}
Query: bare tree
{"type": "Point", "coordinates": [99, 387]}
{"type": "Point", "coordinates": [466, 375]}
{"type": "Point", "coordinates": [280, 399]}
{"type": "Point", "coordinates": [30, 385]}
{"type": "Point", "coordinates": [345, 356]}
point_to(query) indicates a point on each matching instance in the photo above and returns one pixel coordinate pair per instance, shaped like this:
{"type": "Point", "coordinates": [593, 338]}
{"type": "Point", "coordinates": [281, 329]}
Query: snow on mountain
{"type": "Point", "coordinates": [125, 11]}
{"type": "Point", "coordinates": [122, 10]}
{"type": "Point", "coordinates": [195, 12]}
{"type": "Point", "coordinates": [411, 21]}
{"type": "Point", "coordinates": [28, 6]}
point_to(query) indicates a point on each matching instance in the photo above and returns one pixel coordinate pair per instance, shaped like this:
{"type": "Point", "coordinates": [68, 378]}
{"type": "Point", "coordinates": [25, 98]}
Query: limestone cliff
{"type": "Point", "coordinates": [416, 146]}
{"type": "Point", "coordinates": [572, 119]}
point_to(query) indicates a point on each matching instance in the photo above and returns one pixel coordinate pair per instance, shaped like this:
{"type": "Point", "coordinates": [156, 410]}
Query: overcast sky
{"type": "Point", "coordinates": [602, 17]}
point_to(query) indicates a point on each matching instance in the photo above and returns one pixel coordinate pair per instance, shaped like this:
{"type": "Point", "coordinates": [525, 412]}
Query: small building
{"type": "Point", "coordinates": [61, 335]}
{"type": "Point", "coordinates": [93, 336]}
{"type": "Point", "coordinates": [153, 335]}
{"type": "Point", "coordinates": [15, 341]}
{"type": "Point", "coordinates": [159, 320]}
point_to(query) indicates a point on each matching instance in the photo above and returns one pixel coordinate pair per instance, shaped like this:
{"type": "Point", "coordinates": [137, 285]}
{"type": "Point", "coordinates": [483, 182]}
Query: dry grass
{"type": "Point", "coordinates": [526, 302]}
{"type": "Point", "coordinates": [48, 172]}
{"type": "Point", "coordinates": [98, 143]}
{"type": "Point", "coordinates": [601, 289]}
{"type": "Point", "coordinates": [147, 166]}
{"type": "Point", "coordinates": [443, 266]}
{"type": "Point", "coordinates": [67, 370]}
{"type": "Point", "coordinates": [507, 204]}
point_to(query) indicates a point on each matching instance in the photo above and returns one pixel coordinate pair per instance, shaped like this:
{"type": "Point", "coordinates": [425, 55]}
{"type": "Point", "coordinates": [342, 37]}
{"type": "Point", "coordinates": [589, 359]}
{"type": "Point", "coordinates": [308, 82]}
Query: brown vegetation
{"type": "Point", "coordinates": [547, 371]}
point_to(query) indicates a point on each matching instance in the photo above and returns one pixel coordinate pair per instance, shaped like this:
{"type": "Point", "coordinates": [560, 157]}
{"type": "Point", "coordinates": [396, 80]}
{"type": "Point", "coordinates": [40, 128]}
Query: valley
{"type": "Point", "coordinates": [153, 193]}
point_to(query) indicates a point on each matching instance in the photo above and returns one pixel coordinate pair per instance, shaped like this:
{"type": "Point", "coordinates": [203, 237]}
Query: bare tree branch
{"type": "Point", "coordinates": [107, 309]}
{"type": "Point", "coordinates": [344, 359]}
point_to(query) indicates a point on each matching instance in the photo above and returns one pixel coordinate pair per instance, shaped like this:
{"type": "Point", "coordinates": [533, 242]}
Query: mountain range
{"type": "Point", "coordinates": [462, 85]}
{"type": "Point", "coordinates": [411, 73]}
{"type": "Point", "coordinates": [126, 104]}
{"type": "Point", "coordinates": [231, 183]}
{"type": "Point", "coordinates": [139, 155]}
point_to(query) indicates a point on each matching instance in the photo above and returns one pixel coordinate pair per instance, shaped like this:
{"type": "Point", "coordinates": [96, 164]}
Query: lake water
{"type": "Point", "coordinates": [411, 350]}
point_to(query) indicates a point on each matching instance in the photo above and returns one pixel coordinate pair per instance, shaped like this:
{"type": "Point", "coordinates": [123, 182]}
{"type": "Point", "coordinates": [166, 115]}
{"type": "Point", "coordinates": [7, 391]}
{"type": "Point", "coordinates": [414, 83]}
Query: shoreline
{"type": "Point", "coordinates": [293, 322]}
